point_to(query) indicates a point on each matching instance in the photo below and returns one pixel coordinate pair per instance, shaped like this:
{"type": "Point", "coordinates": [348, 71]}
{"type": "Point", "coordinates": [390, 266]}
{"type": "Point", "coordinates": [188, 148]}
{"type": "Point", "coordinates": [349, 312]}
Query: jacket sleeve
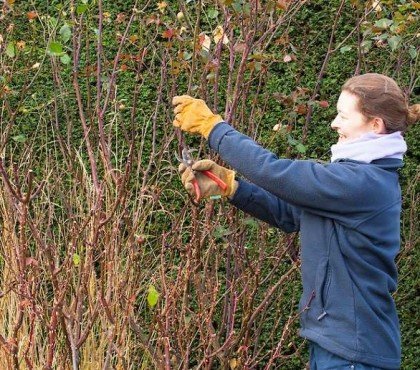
{"type": "Point", "coordinates": [334, 190]}
{"type": "Point", "coordinates": [266, 207]}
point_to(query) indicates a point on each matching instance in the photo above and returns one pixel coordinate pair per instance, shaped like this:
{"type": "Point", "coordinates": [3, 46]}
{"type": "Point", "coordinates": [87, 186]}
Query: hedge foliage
{"type": "Point", "coordinates": [107, 264]}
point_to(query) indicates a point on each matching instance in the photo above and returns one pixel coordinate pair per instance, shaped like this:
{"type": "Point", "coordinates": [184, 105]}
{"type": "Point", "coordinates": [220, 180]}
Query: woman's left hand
{"type": "Point", "coordinates": [194, 116]}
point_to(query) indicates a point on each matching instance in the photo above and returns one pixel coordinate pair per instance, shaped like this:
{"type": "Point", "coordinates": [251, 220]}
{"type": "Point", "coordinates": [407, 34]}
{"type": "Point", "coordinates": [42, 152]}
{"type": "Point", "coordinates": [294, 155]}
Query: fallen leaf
{"type": "Point", "coordinates": [219, 34]}
{"type": "Point", "coordinates": [32, 15]}
{"type": "Point", "coordinates": [301, 109]}
{"type": "Point", "coordinates": [169, 33]}
{"type": "Point", "coordinates": [277, 127]}
{"type": "Point", "coordinates": [162, 6]}
{"type": "Point", "coordinates": [239, 47]}
{"type": "Point", "coordinates": [283, 4]}
{"type": "Point", "coordinates": [324, 104]}
{"type": "Point", "coordinates": [204, 41]}
{"type": "Point", "coordinates": [233, 363]}
{"type": "Point", "coordinates": [133, 38]}
{"type": "Point", "coordinates": [287, 58]}
{"type": "Point", "coordinates": [21, 45]}
{"type": "Point", "coordinates": [120, 17]}
{"type": "Point", "coordinates": [31, 262]}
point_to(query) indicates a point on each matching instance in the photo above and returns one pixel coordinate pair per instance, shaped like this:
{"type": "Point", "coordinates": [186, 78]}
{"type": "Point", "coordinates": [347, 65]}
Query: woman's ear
{"type": "Point", "coordinates": [378, 125]}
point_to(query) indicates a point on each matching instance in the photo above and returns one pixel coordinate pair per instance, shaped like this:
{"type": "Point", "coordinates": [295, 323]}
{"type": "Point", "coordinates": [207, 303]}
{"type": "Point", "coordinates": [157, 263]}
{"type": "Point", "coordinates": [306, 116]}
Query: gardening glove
{"type": "Point", "coordinates": [207, 186]}
{"type": "Point", "coordinates": [193, 115]}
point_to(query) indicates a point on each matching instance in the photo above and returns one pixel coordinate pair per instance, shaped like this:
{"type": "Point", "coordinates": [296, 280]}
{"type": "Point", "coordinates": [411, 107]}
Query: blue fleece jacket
{"type": "Point", "coordinates": [348, 215]}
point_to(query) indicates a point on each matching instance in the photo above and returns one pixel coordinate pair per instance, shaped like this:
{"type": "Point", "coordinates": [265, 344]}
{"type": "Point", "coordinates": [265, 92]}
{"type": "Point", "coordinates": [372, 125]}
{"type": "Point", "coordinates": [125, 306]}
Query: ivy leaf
{"type": "Point", "coordinates": [212, 13]}
{"type": "Point", "coordinates": [365, 46]}
{"type": "Point", "coordinates": [413, 52]}
{"type": "Point", "coordinates": [65, 32]}
{"type": "Point", "coordinates": [383, 23]}
{"type": "Point", "coordinates": [19, 138]}
{"type": "Point", "coordinates": [301, 148]}
{"type": "Point", "coordinates": [55, 48]}
{"type": "Point", "coordinates": [345, 49]}
{"type": "Point", "coordinates": [65, 59]}
{"type": "Point", "coordinates": [292, 141]}
{"type": "Point", "coordinates": [152, 296]}
{"type": "Point", "coordinates": [81, 8]}
{"type": "Point", "coordinates": [250, 222]}
{"type": "Point", "coordinates": [394, 42]}
{"type": "Point", "coordinates": [10, 50]}
{"type": "Point", "coordinates": [220, 232]}
{"type": "Point", "coordinates": [187, 55]}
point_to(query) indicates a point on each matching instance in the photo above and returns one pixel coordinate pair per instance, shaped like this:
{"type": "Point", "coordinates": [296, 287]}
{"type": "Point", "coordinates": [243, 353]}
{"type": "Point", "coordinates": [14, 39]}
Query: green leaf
{"type": "Point", "coordinates": [85, 1]}
{"type": "Point", "coordinates": [65, 32]}
{"type": "Point", "coordinates": [76, 259]}
{"type": "Point", "coordinates": [292, 141]}
{"type": "Point", "coordinates": [65, 59]}
{"type": "Point", "coordinates": [10, 50]}
{"type": "Point", "coordinates": [365, 46]}
{"type": "Point", "coordinates": [251, 223]}
{"type": "Point", "coordinates": [19, 138]}
{"type": "Point", "coordinates": [212, 13]}
{"type": "Point", "coordinates": [237, 6]}
{"type": "Point", "coordinates": [394, 42]}
{"type": "Point", "coordinates": [55, 48]}
{"type": "Point", "coordinates": [187, 55]}
{"type": "Point", "coordinates": [301, 148]}
{"type": "Point", "coordinates": [53, 21]}
{"type": "Point", "coordinates": [345, 49]}
{"type": "Point", "coordinates": [413, 52]}
{"type": "Point", "coordinates": [383, 23]}
{"type": "Point", "coordinates": [152, 296]}
{"type": "Point", "coordinates": [81, 8]}
{"type": "Point", "coordinates": [220, 232]}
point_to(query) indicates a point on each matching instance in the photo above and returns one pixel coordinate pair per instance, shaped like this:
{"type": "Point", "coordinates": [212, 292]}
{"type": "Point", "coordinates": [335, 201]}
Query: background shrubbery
{"type": "Point", "coordinates": [105, 262]}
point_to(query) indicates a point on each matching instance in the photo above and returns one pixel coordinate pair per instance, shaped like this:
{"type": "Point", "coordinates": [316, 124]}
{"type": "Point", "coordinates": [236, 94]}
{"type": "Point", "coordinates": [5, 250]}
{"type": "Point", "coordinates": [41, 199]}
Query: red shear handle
{"type": "Point", "coordinates": [197, 190]}
{"type": "Point", "coordinates": [222, 185]}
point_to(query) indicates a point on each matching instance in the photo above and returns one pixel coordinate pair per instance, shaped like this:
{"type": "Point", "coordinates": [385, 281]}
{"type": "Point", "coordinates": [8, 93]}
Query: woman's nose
{"type": "Point", "coordinates": [334, 123]}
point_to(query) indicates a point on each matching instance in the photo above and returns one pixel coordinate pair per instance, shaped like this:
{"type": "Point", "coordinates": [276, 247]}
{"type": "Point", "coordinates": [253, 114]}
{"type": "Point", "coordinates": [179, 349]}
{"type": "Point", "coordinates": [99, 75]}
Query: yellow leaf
{"type": "Point", "coordinates": [21, 45]}
{"type": "Point", "coordinates": [161, 6]}
{"type": "Point", "coordinates": [376, 5]}
{"type": "Point", "coordinates": [10, 2]}
{"type": "Point", "coordinates": [233, 363]}
{"type": "Point", "coordinates": [133, 38]}
{"type": "Point", "coordinates": [205, 41]}
{"type": "Point", "coordinates": [219, 34]}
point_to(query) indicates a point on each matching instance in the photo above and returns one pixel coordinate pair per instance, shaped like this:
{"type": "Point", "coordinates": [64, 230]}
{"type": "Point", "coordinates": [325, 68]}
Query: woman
{"type": "Point", "coordinates": [347, 213]}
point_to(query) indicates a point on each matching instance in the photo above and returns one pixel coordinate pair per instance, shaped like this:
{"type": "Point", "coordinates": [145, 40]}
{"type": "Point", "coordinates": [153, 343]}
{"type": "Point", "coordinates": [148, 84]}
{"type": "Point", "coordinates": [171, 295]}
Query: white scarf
{"type": "Point", "coordinates": [370, 147]}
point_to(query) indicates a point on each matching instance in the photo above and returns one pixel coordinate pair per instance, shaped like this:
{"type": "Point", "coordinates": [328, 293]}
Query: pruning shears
{"type": "Point", "coordinates": [189, 161]}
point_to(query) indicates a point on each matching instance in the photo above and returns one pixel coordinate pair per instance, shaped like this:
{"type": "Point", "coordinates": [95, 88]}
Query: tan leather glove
{"type": "Point", "coordinates": [194, 116]}
{"type": "Point", "coordinates": [208, 187]}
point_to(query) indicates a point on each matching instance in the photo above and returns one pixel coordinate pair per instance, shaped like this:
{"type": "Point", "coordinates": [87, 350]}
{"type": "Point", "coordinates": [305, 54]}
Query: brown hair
{"type": "Point", "coordinates": [380, 96]}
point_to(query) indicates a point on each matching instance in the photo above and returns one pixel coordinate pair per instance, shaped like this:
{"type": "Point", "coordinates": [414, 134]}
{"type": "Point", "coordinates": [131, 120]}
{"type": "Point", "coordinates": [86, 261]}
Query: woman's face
{"type": "Point", "coordinates": [349, 123]}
